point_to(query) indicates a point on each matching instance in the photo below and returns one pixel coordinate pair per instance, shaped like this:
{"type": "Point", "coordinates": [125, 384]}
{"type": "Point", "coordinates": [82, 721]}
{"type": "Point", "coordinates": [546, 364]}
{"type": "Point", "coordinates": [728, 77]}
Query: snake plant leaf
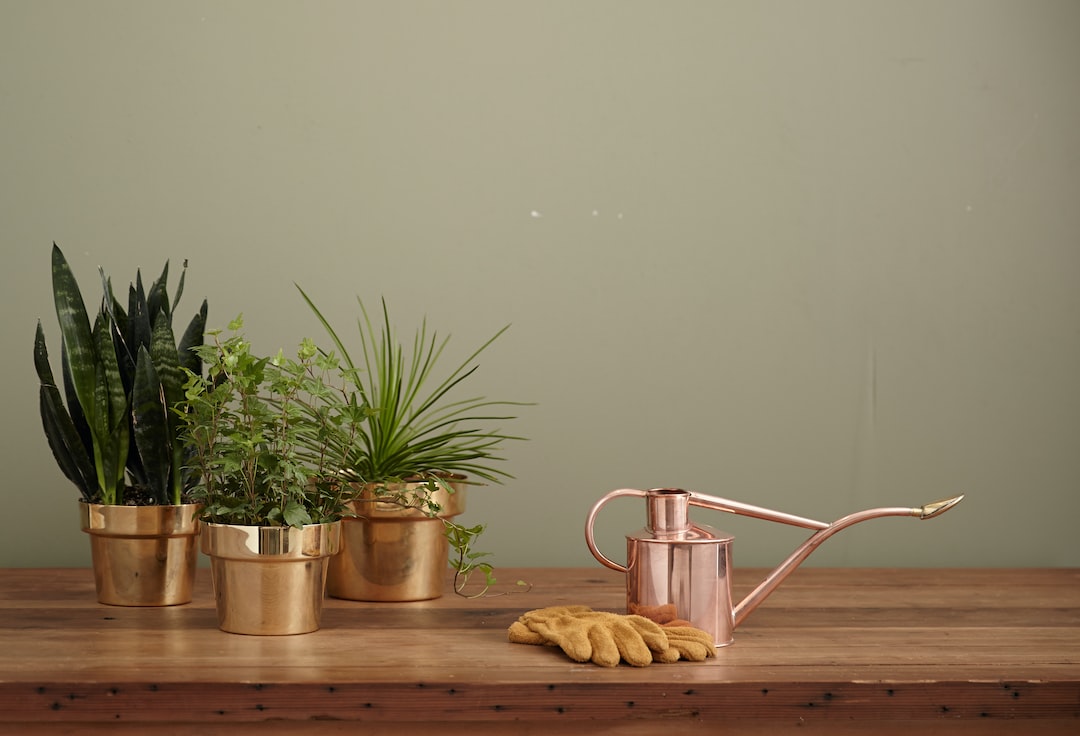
{"type": "Point", "coordinates": [131, 331]}
{"type": "Point", "coordinates": [73, 407]}
{"type": "Point", "coordinates": [117, 316]}
{"type": "Point", "coordinates": [166, 359]}
{"type": "Point", "coordinates": [125, 356]}
{"type": "Point", "coordinates": [67, 448]}
{"type": "Point", "coordinates": [111, 423]}
{"type": "Point", "coordinates": [191, 339]}
{"type": "Point", "coordinates": [66, 444]}
{"type": "Point", "coordinates": [140, 328]}
{"type": "Point", "coordinates": [75, 331]}
{"type": "Point", "coordinates": [120, 331]}
{"type": "Point", "coordinates": [150, 427]}
{"type": "Point", "coordinates": [41, 359]}
{"type": "Point", "coordinates": [157, 298]}
{"type": "Point", "coordinates": [137, 335]}
{"type": "Point", "coordinates": [188, 355]}
{"type": "Point", "coordinates": [88, 375]}
{"type": "Point", "coordinates": [179, 289]}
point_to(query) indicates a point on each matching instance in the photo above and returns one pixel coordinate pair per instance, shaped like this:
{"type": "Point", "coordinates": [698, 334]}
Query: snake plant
{"type": "Point", "coordinates": [113, 430]}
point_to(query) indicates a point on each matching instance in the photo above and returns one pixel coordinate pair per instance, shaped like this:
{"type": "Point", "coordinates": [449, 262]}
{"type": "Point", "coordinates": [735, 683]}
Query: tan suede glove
{"type": "Point", "coordinates": [607, 638]}
{"type": "Point", "coordinates": [692, 643]}
{"type": "Point", "coordinates": [519, 633]}
{"type": "Point", "coordinates": [597, 636]}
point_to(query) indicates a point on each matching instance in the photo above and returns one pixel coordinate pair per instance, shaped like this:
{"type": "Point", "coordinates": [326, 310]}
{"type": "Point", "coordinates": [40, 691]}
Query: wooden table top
{"type": "Point", "coordinates": [890, 650]}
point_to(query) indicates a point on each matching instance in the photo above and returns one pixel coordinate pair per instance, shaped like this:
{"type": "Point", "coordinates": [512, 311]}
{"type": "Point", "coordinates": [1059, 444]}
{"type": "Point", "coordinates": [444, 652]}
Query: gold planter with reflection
{"type": "Point", "coordinates": [142, 555]}
{"type": "Point", "coordinates": [391, 551]}
{"type": "Point", "coordinates": [269, 580]}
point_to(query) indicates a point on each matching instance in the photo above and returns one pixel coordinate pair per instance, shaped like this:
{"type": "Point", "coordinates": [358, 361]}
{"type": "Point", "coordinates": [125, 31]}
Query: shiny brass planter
{"type": "Point", "coordinates": [269, 580]}
{"type": "Point", "coordinates": [142, 555]}
{"type": "Point", "coordinates": [391, 552]}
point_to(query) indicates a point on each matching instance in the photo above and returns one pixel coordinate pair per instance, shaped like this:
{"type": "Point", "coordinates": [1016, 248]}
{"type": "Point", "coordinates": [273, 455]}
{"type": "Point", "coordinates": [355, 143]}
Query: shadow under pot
{"type": "Point", "coordinates": [391, 550]}
{"type": "Point", "coordinates": [269, 580]}
{"type": "Point", "coordinates": [142, 555]}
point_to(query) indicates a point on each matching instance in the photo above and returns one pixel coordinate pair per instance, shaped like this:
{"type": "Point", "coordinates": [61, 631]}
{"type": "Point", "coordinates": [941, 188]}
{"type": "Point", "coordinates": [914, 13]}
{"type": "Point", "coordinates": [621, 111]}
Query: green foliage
{"type": "Point", "coordinates": [416, 429]}
{"type": "Point", "coordinates": [465, 562]}
{"type": "Point", "coordinates": [265, 434]}
{"type": "Point", "coordinates": [111, 431]}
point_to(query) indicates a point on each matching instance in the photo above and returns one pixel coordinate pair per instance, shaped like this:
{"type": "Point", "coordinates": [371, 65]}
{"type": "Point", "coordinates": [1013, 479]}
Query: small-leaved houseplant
{"type": "Point", "coordinates": [113, 433]}
{"type": "Point", "coordinates": [418, 446]}
{"type": "Point", "coordinates": [263, 434]}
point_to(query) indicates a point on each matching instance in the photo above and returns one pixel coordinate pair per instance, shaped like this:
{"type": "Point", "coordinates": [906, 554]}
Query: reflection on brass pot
{"type": "Point", "coordinates": [269, 579]}
{"type": "Point", "coordinates": [142, 555]}
{"type": "Point", "coordinates": [393, 551]}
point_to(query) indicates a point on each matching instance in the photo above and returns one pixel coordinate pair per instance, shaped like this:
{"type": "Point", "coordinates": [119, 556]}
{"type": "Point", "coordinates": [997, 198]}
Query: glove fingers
{"type": "Point", "coordinates": [692, 651]}
{"type": "Point", "coordinates": [691, 633]}
{"type": "Point", "coordinates": [631, 645]}
{"type": "Point", "coordinates": [654, 636]}
{"type": "Point", "coordinates": [569, 635]}
{"type": "Point", "coordinates": [606, 651]}
{"type": "Point", "coordinates": [667, 656]}
{"type": "Point", "coordinates": [519, 633]}
{"type": "Point", "coordinates": [692, 643]}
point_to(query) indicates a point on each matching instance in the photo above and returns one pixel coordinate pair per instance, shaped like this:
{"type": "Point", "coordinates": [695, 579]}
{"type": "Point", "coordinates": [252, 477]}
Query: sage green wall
{"type": "Point", "coordinates": [817, 256]}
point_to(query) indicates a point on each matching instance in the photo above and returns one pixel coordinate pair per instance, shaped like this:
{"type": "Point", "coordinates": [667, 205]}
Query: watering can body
{"type": "Point", "coordinates": [684, 579]}
{"type": "Point", "coordinates": [680, 571]}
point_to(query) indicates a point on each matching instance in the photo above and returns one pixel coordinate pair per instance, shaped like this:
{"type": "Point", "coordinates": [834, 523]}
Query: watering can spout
{"type": "Point", "coordinates": [777, 576]}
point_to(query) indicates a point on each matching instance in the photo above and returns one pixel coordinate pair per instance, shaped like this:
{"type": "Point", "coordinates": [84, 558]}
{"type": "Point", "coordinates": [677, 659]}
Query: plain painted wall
{"type": "Point", "coordinates": [816, 256]}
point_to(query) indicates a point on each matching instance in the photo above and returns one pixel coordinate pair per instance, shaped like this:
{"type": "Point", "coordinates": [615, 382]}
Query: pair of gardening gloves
{"type": "Point", "coordinates": [606, 638]}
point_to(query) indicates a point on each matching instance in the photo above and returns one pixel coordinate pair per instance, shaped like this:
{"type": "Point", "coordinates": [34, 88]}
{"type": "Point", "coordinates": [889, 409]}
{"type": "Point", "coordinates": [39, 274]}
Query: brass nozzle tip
{"type": "Point", "coordinates": [937, 508]}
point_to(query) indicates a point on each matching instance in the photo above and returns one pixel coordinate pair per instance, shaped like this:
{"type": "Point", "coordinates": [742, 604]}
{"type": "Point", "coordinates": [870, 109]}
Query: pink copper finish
{"type": "Point", "coordinates": [678, 570]}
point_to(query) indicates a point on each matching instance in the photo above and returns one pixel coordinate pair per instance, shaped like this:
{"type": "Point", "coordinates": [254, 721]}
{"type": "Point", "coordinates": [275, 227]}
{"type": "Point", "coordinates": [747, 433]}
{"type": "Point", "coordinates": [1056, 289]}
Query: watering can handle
{"type": "Point", "coordinates": [589, 538]}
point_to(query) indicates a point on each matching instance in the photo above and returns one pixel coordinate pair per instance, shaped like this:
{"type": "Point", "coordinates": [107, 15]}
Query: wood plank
{"type": "Point", "coordinates": [943, 650]}
{"type": "Point", "coordinates": [732, 726]}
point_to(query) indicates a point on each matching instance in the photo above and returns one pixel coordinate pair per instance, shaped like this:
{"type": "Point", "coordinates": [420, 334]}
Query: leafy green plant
{"type": "Point", "coordinates": [115, 437]}
{"type": "Point", "coordinates": [266, 434]}
{"type": "Point", "coordinates": [416, 429]}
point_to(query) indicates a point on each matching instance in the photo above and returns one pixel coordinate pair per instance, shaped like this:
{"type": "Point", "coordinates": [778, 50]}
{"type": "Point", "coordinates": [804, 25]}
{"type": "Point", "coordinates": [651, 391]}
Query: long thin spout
{"type": "Point", "coordinates": [777, 576]}
{"type": "Point", "coordinates": [744, 509]}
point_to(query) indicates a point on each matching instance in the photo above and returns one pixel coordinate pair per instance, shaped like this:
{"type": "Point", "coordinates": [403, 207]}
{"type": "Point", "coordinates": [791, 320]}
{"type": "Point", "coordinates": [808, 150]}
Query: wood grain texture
{"type": "Point", "coordinates": [940, 651]}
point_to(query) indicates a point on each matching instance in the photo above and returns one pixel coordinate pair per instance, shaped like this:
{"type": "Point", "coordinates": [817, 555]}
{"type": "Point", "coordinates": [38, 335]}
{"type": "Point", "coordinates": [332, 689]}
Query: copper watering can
{"type": "Point", "coordinates": [679, 570]}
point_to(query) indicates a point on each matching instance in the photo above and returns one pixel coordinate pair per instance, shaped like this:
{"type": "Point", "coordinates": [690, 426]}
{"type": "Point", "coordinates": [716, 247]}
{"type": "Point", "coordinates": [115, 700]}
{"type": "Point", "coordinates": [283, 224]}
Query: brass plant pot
{"type": "Point", "coordinates": [269, 580]}
{"type": "Point", "coordinates": [391, 552]}
{"type": "Point", "coordinates": [142, 555]}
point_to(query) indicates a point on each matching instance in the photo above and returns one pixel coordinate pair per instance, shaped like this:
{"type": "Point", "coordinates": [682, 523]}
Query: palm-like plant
{"type": "Point", "coordinates": [414, 430]}
{"type": "Point", "coordinates": [117, 437]}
